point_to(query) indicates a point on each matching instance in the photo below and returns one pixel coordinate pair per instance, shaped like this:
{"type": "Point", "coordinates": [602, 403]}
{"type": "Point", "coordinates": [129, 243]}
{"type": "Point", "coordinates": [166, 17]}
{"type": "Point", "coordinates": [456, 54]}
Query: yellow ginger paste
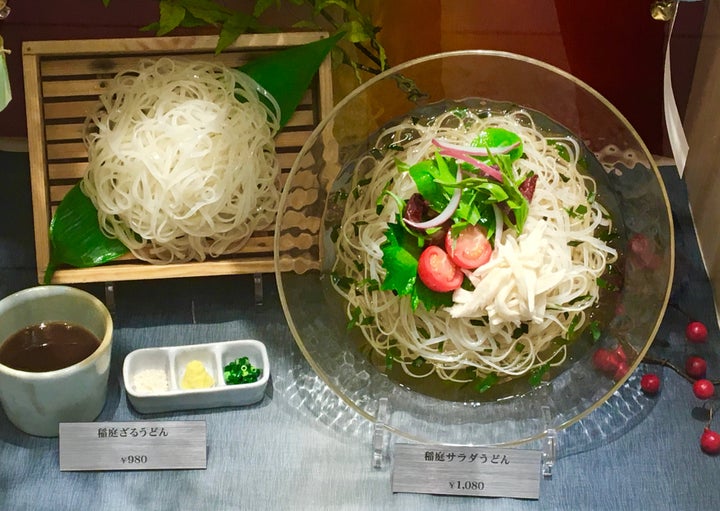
{"type": "Point", "coordinates": [196, 376]}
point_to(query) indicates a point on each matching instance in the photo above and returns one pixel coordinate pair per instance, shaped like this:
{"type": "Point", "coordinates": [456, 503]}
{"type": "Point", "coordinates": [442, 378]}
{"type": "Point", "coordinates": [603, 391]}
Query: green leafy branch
{"type": "Point", "coordinates": [362, 50]}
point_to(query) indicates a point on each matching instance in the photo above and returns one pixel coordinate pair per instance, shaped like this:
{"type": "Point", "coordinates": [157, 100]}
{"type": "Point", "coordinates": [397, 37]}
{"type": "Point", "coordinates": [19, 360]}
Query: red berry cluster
{"type": "Point", "coordinates": [611, 362]}
{"type": "Point", "coordinates": [704, 389]}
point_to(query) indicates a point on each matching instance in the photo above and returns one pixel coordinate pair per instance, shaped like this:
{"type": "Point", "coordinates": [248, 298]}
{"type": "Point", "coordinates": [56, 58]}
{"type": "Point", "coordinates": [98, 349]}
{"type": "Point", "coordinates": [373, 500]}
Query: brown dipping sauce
{"type": "Point", "coordinates": [48, 347]}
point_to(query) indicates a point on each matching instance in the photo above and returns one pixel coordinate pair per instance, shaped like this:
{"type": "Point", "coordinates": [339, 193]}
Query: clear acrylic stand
{"type": "Point", "coordinates": [258, 286]}
{"type": "Point", "coordinates": [381, 440]}
{"type": "Point", "coordinates": [549, 445]}
{"type": "Point", "coordinates": [381, 436]}
{"type": "Point", "coordinates": [110, 297]}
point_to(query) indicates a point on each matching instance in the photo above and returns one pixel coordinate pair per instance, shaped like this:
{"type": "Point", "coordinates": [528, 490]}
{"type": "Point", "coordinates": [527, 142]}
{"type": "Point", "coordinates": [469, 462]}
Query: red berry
{"type": "Point", "coordinates": [621, 371]}
{"type": "Point", "coordinates": [695, 367]}
{"type": "Point", "coordinates": [605, 360]}
{"type": "Point", "coordinates": [650, 383]}
{"type": "Point", "coordinates": [710, 441]}
{"type": "Point", "coordinates": [703, 389]}
{"type": "Point", "coordinates": [620, 353]}
{"type": "Point", "coordinates": [696, 332]}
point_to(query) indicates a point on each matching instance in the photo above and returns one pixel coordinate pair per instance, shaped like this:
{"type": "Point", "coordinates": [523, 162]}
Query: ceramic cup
{"type": "Point", "coordinates": [37, 402]}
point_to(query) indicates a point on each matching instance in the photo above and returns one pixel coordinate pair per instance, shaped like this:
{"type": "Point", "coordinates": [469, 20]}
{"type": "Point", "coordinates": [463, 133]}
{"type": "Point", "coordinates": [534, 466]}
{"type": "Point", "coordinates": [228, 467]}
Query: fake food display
{"type": "Point", "coordinates": [473, 247]}
{"type": "Point", "coordinates": [480, 239]}
{"type": "Point", "coordinates": [181, 159]}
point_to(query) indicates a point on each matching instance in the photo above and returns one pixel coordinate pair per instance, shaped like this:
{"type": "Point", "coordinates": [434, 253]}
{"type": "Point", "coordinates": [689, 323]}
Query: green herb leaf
{"type": "Point", "coordinates": [499, 137]}
{"type": "Point", "coordinates": [488, 381]}
{"type": "Point", "coordinates": [561, 149]}
{"type": "Point", "coordinates": [571, 327]}
{"type": "Point", "coordinates": [595, 330]}
{"type": "Point", "coordinates": [400, 259]}
{"type": "Point", "coordinates": [355, 318]}
{"type": "Point", "coordinates": [341, 281]}
{"type": "Point", "coordinates": [401, 253]}
{"type": "Point", "coordinates": [262, 5]}
{"type": "Point", "coordinates": [431, 299]}
{"type": "Point", "coordinates": [233, 27]}
{"type": "Point", "coordinates": [171, 15]}
{"type": "Point", "coordinates": [429, 176]}
{"type": "Point", "coordinates": [418, 362]}
{"type": "Point", "coordinates": [390, 355]}
{"type": "Point", "coordinates": [601, 282]}
{"type": "Point", "coordinates": [537, 374]}
{"type": "Point", "coordinates": [209, 11]}
{"type": "Point", "coordinates": [523, 329]}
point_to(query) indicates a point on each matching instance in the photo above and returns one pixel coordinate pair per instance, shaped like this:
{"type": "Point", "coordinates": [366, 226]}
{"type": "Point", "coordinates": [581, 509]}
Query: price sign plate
{"type": "Point", "coordinates": [161, 445]}
{"type": "Point", "coordinates": [470, 471]}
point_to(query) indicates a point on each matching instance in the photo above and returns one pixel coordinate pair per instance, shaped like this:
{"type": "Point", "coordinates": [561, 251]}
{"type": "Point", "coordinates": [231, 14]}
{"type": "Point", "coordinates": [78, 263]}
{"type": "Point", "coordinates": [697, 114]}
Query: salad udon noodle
{"type": "Point", "coordinates": [471, 250]}
{"type": "Point", "coordinates": [182, 159]}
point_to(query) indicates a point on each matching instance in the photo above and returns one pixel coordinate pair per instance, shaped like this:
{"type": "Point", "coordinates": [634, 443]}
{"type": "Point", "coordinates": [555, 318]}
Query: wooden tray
{"type": "Point", "coordinates": [62, 82]}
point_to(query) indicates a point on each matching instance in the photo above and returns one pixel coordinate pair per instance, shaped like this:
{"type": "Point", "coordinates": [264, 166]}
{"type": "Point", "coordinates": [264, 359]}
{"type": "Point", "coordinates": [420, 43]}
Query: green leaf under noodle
{"type": "Point", "coordinates": [75, 235]}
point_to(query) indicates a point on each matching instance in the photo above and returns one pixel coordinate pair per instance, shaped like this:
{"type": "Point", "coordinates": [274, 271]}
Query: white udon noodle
{"type": "Point", "coordinates": [542, 278]}
{"type": "Point", "coordinates": [179, 168]}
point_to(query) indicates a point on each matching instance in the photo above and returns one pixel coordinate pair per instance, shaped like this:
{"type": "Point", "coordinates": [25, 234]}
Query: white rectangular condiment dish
{"type": "Point", "coordinates": [172, 361]}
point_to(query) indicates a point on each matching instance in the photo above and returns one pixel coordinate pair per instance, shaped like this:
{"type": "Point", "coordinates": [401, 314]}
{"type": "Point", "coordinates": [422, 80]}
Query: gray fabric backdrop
{"type": "Point", "coordinates": [291, 450]}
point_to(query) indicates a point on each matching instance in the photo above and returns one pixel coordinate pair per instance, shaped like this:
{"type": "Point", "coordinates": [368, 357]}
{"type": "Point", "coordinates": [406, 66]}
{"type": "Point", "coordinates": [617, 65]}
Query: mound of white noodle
{"type": "Point", "coordinates": [179, 168]}
{"type": "Point", "coordinates": [537, 287]}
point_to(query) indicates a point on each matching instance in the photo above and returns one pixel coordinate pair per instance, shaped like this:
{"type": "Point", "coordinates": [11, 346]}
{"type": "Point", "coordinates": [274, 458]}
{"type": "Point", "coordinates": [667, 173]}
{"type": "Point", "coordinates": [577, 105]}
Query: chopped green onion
{"type": "Point", "coordinates": [595, 330]}
{"type": "Point", "coordinates": [537, 374]}
{"type": "Point", "coordinates": [241, 371]}
{"type": "Point", "coordinates": [487, 382]}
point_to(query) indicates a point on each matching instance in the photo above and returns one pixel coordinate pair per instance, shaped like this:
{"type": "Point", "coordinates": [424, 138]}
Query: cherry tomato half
{"type": "Point", "coordinates": [471, 249]}
{"type": "Point", "coordinates": [437, 271]}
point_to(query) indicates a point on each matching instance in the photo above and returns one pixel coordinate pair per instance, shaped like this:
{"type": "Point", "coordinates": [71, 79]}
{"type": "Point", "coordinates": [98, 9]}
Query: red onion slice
{"type": "Point", "coordinates": [465, 153]}
{"type": "Point", "coordinates": [445, 214]}
{"type": "Point", "coordinates": [477, 151]}
{"type": "Point", "coordinates": [487, 169]}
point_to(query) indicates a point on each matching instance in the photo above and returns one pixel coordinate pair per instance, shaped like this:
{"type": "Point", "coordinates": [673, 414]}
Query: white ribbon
{"type": "Point", "coordinates": [673, 122]}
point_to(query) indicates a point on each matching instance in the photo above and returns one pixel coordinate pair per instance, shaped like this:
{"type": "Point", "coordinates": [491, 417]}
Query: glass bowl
{"type": "Point", "coordinates": [628, 181]}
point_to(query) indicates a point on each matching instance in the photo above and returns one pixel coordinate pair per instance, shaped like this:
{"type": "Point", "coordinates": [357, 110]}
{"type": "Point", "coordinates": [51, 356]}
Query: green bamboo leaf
{"type": "Point", "coordinates": [287, 74]}
{"type": "Point", "coordinates": [75, 235]}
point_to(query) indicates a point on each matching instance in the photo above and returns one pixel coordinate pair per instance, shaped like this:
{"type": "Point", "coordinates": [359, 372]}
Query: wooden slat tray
{"type": "Point", "coordinates": [62, 82]}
